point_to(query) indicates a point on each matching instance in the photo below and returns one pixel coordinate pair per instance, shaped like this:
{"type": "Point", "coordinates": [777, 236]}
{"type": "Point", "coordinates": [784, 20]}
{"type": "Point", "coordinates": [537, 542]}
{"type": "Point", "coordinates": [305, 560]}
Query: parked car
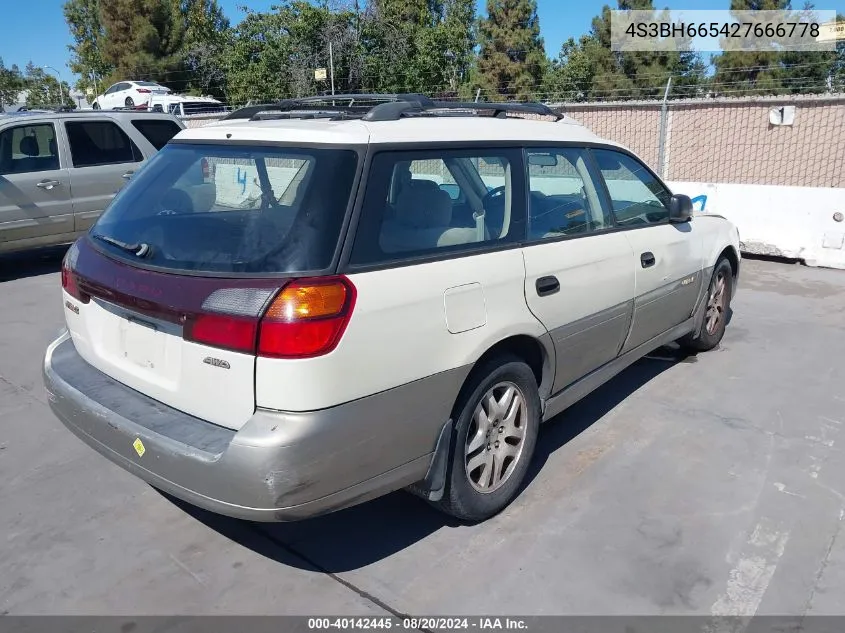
{"type": "Point", "coordinates": [248, 339]}
{"type": "Point", "coordinates": [184, 105]}
{"type": "Point", "coordinates": [129, 94]}
{"type": "Point", "coordinates": [59, 170]}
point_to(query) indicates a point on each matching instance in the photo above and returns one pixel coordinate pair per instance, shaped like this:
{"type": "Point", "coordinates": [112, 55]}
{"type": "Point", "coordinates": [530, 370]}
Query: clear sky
{"type": "Point", "coordinates": [35, 30]}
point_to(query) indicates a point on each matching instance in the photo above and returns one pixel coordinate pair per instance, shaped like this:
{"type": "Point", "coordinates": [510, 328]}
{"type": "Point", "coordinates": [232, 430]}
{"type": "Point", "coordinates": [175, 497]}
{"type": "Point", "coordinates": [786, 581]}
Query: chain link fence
{"type": "Point", "coordinates": [730, 140]}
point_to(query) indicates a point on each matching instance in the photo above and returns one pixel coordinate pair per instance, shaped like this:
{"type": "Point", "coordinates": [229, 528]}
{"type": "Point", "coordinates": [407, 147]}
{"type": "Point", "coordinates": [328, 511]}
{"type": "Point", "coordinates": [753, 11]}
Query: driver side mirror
{"type": "Point", "coordinates": [680, 208]}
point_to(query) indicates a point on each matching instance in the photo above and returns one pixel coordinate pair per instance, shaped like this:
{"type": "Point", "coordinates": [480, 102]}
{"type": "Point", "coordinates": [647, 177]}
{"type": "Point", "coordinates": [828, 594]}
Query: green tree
{"type": "Point", "coordinates": [43, 90]}
{"type": "Point", "coordinates": [206, 38]}
{"type": "Point", "coordinates": [590, 69]}
{"type": "Point", "coordinates": [512, 60]}
{"type": "Point", "coordinates": [273, 55]}
{"type": "Point", "coordinates": [570, 76]}
{"type": "Point", "coordinates": [11, 84]}
{"type": "Point", "coordinates": [88, 34]}
{"type": "Point", "coordinates": [143, 39]}
{"type": "Point", "coordinates": [757, 71]}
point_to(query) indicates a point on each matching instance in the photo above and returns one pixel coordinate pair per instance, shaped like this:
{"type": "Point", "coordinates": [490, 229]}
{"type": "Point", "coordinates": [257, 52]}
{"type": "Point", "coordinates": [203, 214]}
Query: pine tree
{"type": "Point", "coordinates": [512, 59]}
{"type": "Point", "coordinates": [742, 72]}
{"type": "Point", "coordinates": [143, 39]}
{"type": "Point", "coordinates": [590, 69]}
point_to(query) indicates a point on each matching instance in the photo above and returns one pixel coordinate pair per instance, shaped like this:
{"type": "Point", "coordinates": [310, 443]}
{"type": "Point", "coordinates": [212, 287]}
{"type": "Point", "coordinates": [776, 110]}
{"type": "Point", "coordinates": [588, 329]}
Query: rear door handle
{"type": "Point", "coordinates": [647, 259]}
{"type": "Point", "coordinates": [127, 175]}
{"type": "Point", "coordinates": [547, 286]}
{"type": "Point", "coordinates": [47, 184]}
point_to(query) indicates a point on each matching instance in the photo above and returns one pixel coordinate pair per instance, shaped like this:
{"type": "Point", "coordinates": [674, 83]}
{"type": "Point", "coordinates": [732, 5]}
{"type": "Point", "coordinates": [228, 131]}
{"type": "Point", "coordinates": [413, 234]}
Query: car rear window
{"type": "Point", "coordinates": [232, 209]}
{"type": "Point", "coordinates": [156, 131]}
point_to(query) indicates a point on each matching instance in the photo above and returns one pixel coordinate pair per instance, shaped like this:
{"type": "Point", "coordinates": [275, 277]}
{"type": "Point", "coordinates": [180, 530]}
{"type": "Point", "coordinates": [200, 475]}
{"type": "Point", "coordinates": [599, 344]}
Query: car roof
{"type": "Point", "coordinates": [81, 114]}
{"type": "Point", "coordinates": [408, 130]}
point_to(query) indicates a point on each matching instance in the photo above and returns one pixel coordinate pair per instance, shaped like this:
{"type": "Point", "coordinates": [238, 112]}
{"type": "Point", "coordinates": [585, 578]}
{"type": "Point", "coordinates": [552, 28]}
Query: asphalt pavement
{"type": "Point", "coordinates": [709, 484]}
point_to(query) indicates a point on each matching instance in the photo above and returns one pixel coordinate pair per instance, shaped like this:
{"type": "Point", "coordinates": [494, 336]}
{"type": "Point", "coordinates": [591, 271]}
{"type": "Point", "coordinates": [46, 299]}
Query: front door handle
{"type": "Point", "coordinates": [647, 259]}
{"type": "Point", "coordinates": [127, 175]}
{"type": "Point", "coordinates": [547, 286]}
{"type": "Point", "coordinates": [47, 184]}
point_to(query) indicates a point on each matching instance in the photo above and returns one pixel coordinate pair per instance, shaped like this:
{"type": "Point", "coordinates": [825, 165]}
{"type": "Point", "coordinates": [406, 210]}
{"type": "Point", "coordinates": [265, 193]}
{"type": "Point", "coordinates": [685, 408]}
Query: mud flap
{"type": "Point", "coordinates": [434, 484]}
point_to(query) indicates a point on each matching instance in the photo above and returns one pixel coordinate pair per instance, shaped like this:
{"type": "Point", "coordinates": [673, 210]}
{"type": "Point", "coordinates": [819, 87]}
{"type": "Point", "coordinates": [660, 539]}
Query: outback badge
{"type": "Point", "coordinates": [216, 362]}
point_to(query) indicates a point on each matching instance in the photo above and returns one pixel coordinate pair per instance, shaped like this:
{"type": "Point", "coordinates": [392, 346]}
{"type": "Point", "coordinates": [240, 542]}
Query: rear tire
{"type": "Point", "coordinates": [129, 103]}
{"type": "Point", "coordinates": [718, 303]}
{"type": "Point", "coordinates": [497, 421]}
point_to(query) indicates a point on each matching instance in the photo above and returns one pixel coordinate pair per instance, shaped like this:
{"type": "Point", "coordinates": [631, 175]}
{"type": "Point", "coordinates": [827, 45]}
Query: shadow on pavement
{"type": "Point", "coordinates": [31, 263]}
{"type": "Point", "coordinates": [364, 534]}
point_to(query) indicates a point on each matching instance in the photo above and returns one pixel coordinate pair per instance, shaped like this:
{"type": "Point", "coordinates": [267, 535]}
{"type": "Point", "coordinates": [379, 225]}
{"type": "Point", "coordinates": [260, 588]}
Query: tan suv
{"type": "Point", "coordinates": [59, 170]}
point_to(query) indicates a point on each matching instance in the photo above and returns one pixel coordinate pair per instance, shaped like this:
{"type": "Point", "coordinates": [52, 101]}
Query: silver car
{"type": "Point", "coordinates": [59, 170]}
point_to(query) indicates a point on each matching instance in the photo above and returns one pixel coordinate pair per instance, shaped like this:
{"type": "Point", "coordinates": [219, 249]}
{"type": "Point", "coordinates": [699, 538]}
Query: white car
{"type": "Point", "coordinates": [307, 305]}
{"type": "Point", "coordinates": [129, 94]}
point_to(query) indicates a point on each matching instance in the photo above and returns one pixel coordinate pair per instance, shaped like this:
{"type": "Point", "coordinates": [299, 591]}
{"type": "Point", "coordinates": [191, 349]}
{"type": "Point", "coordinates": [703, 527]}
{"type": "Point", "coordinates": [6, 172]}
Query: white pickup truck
{"type": "Point", "coordinates": [182, 105]}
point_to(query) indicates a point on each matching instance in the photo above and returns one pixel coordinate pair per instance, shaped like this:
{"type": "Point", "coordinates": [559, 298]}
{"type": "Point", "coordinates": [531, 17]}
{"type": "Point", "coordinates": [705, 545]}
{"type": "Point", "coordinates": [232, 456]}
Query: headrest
{"type": "Point", "coordinates": [423, 205]}
{"type": "Point", "coordinates": [29, 146]}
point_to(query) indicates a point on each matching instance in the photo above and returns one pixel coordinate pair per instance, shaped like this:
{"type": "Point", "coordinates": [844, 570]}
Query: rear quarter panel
{"type": "Point", "coordinates": [400, 331]}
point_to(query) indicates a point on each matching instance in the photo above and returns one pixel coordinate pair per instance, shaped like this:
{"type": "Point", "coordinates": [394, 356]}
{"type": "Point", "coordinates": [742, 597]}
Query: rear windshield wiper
{"type": "Point", "coordinates": [139, 250]}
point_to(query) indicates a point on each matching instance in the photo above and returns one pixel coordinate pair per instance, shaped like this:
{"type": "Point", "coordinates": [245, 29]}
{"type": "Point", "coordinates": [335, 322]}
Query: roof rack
{"type": "Point", "coordinates": [383, 107]}
{"type": "Point", "coordinates": [51, 108]}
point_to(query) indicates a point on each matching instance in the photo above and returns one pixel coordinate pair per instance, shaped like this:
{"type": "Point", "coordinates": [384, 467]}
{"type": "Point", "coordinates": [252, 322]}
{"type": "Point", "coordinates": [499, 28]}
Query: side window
{"type": "Point", "coordinates": [637, 196]}
{"type": "Point", "coordinates": [419, 203]}
{"type": "Point", "coordinates": [112, 89]}
{"type": "Point", "coordinates": [156, 131]}
{"type": "Point", "coordinates": [28, 148]}
{"type": "Point", "coordinates": [100, 143]}
{"type": "Point", "coordinates": [564, 199]}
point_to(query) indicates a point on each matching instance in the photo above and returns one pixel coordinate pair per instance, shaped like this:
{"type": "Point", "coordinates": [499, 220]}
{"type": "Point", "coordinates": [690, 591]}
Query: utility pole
{"type": "Point", "coordinates": [331, 66]}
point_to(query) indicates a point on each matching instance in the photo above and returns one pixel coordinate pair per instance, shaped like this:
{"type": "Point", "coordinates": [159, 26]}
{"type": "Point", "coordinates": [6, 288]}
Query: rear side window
{"type": "Point", "coordinates": [233, 209]}
{"type": "Point", "coordinates": [156, 131]}
{"type": "Point", "coordinates": [564, 199]}
{"type": "Point", "coordinates": [440, 201]}
{"type": "Point", "coordinates": [28, 148]}
{"type": "Point", "coordinates": [100, 143]}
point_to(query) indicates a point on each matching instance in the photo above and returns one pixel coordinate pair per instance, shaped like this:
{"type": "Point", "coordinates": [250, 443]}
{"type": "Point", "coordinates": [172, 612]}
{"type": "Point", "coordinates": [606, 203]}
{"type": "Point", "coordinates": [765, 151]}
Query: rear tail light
{"type": "Point", "coordinates": [69, 281]}
{"type": "Point", "coordinates": [223, 331]}
{"type": "Point", "coordinates": [306, 318]}
{"type": "Point", "coordinates": [143, 91]}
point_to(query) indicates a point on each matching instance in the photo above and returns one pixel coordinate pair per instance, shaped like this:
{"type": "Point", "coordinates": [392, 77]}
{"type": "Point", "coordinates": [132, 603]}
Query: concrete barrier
{"type": "Point", "coordinates": [794, 222]}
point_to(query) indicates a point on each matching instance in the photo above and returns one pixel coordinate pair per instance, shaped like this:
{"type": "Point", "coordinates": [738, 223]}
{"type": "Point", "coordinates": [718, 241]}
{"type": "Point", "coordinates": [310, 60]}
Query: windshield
{"type": "Point", "coordinates": [232, 209]}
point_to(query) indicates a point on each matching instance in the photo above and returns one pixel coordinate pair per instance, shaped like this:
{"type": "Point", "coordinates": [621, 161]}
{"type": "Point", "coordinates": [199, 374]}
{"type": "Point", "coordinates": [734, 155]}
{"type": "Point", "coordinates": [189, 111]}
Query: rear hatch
{"type": "Point", "coordinates": [210, 256]}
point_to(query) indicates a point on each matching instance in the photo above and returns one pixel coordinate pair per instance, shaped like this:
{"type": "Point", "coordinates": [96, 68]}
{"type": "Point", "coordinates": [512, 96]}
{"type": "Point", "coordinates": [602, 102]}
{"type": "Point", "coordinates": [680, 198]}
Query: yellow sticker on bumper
{"type": "Point", "coordinates": [138, 445]}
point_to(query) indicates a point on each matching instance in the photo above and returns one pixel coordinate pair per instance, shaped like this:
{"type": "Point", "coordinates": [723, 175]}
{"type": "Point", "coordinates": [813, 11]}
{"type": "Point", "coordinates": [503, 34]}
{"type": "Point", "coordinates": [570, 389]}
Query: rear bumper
{"type": "Point", "coordinates": [278, 467]}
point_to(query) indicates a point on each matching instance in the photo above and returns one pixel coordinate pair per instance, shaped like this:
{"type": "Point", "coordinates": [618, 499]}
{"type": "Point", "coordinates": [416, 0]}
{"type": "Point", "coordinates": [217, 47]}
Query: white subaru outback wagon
{"type": "Point", "coordinates": [313, 303]}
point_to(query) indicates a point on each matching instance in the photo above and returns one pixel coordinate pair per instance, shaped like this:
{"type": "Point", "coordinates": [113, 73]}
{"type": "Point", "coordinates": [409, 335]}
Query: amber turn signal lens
{"type": "Point", "coordinates": [308, 301]}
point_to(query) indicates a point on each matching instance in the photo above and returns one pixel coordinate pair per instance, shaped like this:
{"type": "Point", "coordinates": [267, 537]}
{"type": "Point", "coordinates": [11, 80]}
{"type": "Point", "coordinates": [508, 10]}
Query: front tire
{"type": "Point", "coordinates": [716, 310]}
{"type": "Point", "coordinates": [496, 428]}
{"type": "Point", "coordinates": [129, 103]}
{"type": "Point", "coordinates": [95, 106]}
